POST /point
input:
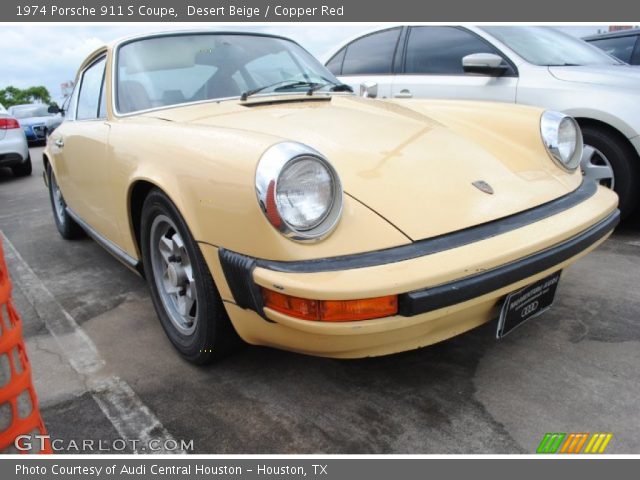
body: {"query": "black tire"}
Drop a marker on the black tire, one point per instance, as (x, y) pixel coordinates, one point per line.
(213, 337)
(24, 169)
(66, 225)
(624, 162)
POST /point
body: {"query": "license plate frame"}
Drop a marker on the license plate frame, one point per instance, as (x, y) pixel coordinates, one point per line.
(527, 303)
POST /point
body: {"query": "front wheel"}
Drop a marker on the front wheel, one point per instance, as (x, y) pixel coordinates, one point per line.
(182, 288)
(613, 164)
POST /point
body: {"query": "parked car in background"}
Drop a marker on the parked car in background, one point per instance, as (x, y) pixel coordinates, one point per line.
(517, 64)
(624, 44)
(36, 120)
(264, 200)
(14, 151)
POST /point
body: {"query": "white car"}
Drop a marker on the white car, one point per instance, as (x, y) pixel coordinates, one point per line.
(530, 65)
(14, 151)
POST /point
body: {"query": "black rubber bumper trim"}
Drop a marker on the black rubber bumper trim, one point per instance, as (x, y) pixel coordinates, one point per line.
(238, 270)
(422, 301)
(436, 244)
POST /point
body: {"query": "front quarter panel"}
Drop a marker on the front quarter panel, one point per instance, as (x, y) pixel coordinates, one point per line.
(209, 175)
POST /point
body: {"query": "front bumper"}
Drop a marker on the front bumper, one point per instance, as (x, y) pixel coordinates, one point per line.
(446, 285)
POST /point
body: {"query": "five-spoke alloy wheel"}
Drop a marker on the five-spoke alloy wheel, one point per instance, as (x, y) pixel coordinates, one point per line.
(182, 289)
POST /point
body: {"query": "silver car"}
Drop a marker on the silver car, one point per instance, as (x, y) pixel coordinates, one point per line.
(36, 121)
(530, 65)
(14, 151)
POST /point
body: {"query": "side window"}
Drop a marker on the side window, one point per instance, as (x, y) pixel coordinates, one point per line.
(619, 47)
(89, 97)
(335, 64)
(372, 54)
(440, 50)
(72, 101)
(102, 110)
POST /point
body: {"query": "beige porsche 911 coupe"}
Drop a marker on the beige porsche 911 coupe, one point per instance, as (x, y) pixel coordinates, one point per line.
(264, 201)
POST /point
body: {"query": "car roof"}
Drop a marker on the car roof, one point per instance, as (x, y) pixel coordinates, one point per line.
(617, 34)
(200, 31)
(89, 59)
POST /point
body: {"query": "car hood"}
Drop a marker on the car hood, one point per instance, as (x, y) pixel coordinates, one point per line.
(414, 163)
(621, 76)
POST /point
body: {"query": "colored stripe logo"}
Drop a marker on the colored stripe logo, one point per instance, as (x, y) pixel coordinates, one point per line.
(574, 443)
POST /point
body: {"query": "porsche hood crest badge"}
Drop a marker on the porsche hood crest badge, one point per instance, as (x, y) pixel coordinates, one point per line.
(483, 186)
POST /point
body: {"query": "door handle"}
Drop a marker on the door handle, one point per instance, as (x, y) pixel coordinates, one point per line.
(59, 143)
(404, 94)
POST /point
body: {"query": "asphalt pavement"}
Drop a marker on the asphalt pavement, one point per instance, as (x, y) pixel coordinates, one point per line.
(104, 370)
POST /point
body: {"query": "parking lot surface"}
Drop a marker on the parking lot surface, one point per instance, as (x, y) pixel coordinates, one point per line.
(104, 370)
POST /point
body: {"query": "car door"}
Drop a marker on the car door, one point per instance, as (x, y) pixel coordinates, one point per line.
(80, 148)
(432, 67)
(368, 59)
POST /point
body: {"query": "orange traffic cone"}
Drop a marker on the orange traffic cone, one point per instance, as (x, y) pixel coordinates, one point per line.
(19, 413)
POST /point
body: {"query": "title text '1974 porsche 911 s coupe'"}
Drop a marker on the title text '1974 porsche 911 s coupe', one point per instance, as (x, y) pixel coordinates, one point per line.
(264, 201)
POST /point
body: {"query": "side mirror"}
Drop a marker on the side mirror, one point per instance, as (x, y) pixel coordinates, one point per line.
(369, 89)
(484, 64)
(54, 109)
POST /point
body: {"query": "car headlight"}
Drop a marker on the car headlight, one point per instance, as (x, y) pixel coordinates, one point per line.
(298, 191)
(563, 139)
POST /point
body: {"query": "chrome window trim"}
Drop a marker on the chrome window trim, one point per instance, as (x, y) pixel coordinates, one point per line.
(100, 57)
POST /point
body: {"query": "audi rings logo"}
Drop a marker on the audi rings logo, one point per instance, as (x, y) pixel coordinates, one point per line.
(532, 307)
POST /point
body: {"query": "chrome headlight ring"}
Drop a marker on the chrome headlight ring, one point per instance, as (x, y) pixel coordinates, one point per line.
(299, 191)
(562, 138)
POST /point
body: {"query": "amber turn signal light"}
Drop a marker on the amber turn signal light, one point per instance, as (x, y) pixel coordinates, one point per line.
(331, 310)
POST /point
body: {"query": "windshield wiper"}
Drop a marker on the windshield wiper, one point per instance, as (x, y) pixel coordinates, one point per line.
(313, 86)
(287, 86)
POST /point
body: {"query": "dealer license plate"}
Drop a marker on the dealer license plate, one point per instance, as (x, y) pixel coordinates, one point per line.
(527, 303)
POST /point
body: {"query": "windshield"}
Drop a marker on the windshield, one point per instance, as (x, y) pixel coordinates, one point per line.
(550, 47)
(28, 111)
(171, 70)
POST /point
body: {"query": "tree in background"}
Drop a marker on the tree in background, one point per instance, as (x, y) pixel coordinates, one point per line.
(17, 96)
